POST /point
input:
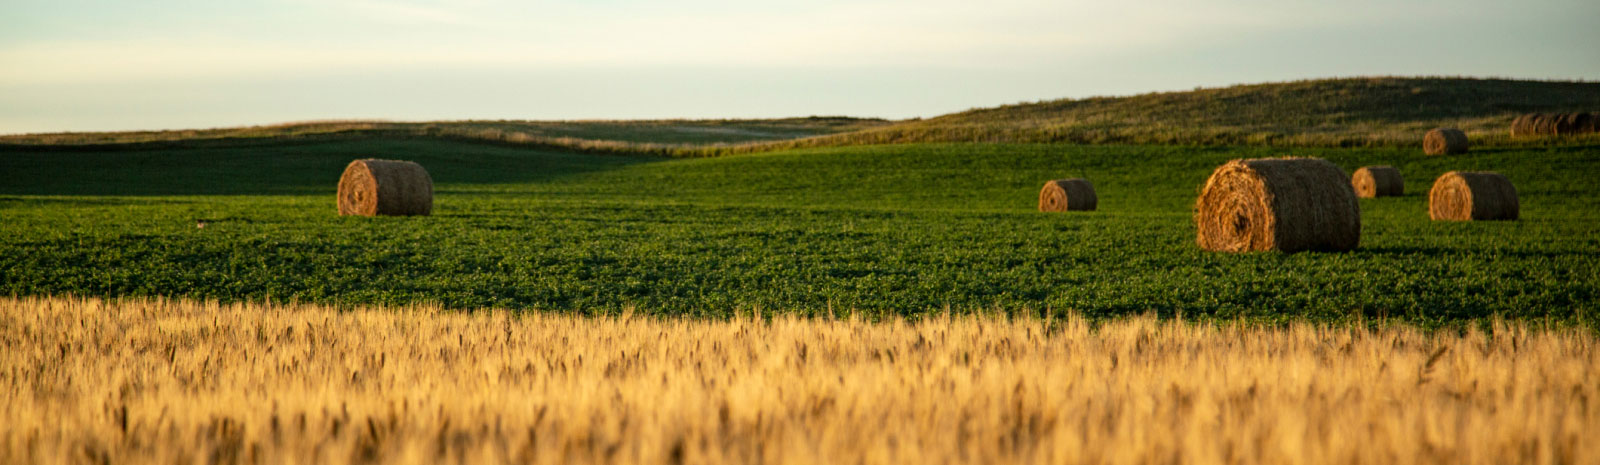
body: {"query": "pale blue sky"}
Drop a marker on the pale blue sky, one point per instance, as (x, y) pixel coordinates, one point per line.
(154, 64)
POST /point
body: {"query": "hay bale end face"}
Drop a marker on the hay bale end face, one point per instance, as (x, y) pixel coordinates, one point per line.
(1285, 204)
(1470, 196)
(1377, 181)
(385, 187)
(1067, 195)
(1444, 141)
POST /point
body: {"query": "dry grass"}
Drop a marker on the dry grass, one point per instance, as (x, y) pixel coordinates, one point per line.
(176, 382)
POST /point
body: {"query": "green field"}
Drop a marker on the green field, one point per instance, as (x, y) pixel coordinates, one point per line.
(891, 229)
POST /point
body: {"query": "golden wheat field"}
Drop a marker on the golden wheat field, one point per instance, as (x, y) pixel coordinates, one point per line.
(164, 381)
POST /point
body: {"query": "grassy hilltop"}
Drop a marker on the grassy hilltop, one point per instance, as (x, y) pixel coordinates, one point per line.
(1381, 111)
(626, 136)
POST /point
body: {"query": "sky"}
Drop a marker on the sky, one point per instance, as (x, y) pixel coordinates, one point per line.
(95, 65)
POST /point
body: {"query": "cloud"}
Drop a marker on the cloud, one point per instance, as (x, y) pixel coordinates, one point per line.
(338, 35)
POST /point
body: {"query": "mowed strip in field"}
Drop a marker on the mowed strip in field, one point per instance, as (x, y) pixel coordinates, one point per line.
(169, 381)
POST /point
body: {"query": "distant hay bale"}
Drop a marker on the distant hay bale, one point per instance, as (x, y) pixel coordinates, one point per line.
(1067, 195)
(1555, 124)
(1545, 124)
(385, 187)
(1522, 126)
(1377, 181)
(1575, 123)
(1534, 124)
(1444, 141)
(1467, 196)
(1286, 204)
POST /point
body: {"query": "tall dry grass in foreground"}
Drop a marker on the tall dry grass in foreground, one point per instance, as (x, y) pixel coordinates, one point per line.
(177, 382)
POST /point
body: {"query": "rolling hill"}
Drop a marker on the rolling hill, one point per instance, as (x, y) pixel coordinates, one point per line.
(1347, 112)
(1382, 111)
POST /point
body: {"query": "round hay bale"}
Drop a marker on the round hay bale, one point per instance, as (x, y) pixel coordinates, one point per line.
(1566, 123)
(1061, 195)
(1545, 124)
(1523, 126)
(1468, 196)
(1532, 124)
(1377, 181)
(1575, 123)
(385, 187)
(1588, 123)
(1444, 141)
(1287, 204)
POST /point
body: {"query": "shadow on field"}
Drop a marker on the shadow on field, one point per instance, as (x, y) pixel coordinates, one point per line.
(1427, 251)
(295, 168)
(84, 202)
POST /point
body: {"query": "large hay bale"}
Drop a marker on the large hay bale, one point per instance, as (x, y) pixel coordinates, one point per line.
(1377, 181)
(1067, 195)
(1466, 196)
(1287, 204)
(1444, 141)
(385, 187)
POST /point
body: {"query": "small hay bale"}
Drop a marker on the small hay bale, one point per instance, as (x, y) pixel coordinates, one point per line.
(1061, 195)
(1286, 204)
(385, 187)
(1469, 196)
(1377, 181)
(1444, 141)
